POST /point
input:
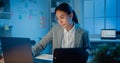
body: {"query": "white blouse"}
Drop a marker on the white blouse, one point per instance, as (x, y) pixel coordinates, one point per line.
(68, 39)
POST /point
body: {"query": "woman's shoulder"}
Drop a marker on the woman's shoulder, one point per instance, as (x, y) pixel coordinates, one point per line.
(56, 26)
(79, 29)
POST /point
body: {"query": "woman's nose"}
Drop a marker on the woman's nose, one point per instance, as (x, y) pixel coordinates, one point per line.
(60, 21)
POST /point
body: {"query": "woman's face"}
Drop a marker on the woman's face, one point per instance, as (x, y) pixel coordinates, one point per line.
(64, 19)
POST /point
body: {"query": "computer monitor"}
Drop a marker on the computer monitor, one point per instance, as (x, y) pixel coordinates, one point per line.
(108, 34)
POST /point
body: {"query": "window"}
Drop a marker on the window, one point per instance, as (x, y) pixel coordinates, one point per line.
(101, 14)
(88, 9)
(118, 8)
(99, 8)
(111, 8)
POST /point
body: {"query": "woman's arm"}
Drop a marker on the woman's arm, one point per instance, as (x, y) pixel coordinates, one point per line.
(40, 46)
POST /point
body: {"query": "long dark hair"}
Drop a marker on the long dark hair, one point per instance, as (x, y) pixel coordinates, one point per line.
(67, 9)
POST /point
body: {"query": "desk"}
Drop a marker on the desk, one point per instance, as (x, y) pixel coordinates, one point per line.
(35, 61)
(97, 41)
(44, 61)
(104, 40)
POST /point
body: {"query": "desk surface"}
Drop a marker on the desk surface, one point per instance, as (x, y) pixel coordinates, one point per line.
(104, 40)
(35, 60)
(44, 61)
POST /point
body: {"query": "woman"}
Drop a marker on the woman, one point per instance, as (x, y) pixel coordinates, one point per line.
(65, 34)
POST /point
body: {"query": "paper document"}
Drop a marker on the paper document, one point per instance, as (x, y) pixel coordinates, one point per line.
(48, 57)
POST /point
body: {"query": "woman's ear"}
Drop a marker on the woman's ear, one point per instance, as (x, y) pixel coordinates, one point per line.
(71, 15)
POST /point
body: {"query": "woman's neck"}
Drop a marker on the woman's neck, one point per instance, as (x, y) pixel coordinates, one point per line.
(70, 27)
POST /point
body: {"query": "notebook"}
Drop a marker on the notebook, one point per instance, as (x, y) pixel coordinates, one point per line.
(70, 55)
(16, 50)
(47, 57)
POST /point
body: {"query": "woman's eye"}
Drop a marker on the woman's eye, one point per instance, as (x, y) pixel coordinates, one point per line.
(61, 17)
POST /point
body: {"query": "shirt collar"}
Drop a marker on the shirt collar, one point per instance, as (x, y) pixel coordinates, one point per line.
(70, 31)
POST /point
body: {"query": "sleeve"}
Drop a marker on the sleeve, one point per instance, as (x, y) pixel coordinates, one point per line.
(86, 40)
(40, 46)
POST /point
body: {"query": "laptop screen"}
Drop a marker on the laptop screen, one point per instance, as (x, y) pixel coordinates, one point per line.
(16, 50)
(108, 33)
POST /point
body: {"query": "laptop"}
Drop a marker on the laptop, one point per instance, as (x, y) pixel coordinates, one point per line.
(108, 34)
(16, 50)
(70, 55)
